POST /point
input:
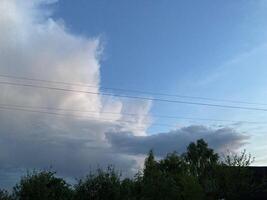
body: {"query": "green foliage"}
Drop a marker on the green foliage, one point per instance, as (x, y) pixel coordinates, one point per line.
(105, 185)
(128, 189)
(169, 179)
(201, 159)
(42, 186)
(4, 195)
(202, 162)
(157, 184)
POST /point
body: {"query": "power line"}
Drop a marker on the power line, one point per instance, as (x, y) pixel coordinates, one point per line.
(135, 97)
(130, 90)
(139, 127)
(130, 114)
(80, 116)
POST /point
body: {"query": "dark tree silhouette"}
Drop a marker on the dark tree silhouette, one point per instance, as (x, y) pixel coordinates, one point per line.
(4, 195)
(104, 185)
(42, 185)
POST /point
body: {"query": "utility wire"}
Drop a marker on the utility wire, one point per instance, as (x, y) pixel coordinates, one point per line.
(135, 97)
(129, 114)
(139, 127)
(80, 116)
(130, 90)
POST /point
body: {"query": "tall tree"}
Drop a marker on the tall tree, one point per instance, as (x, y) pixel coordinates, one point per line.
(200, 158)
(169, 179)
(202, 162)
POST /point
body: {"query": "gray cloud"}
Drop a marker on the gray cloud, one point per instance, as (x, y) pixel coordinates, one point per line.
(73, 148)
(222, 140)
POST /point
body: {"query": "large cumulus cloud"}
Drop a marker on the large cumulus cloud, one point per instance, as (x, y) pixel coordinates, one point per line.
(33, 44)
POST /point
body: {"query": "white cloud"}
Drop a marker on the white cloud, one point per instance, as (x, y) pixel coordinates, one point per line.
(34, 45)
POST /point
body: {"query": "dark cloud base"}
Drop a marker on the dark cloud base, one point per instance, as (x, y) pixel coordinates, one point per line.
(223, 139)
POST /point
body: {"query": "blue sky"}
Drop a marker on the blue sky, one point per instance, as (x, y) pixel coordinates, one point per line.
(204, 48)
(160, 45)
(182, 47)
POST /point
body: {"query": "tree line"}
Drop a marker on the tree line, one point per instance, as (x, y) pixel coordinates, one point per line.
(197, 174)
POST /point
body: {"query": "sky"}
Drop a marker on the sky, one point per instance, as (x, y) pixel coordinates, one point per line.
(212, 50)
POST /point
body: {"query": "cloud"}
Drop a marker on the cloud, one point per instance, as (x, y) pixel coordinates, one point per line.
(222, 140)
(34, 45)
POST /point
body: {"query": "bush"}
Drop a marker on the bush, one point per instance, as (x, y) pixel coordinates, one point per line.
(4, 195)
(104, 185)
(42, 185)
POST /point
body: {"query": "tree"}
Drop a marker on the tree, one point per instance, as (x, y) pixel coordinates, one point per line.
(169, 179)
(43, 185)
(173, 164)
(235, 180)
(150, 166)
(105, 185)
(175, 167)
(128, 189)
(157, 183)
(202, 163)
(4, 195)
(200, 158)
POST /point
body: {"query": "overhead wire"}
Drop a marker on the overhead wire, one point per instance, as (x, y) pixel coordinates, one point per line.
(129, 90)
(80, 116)
(134, 97)
(129, 114)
